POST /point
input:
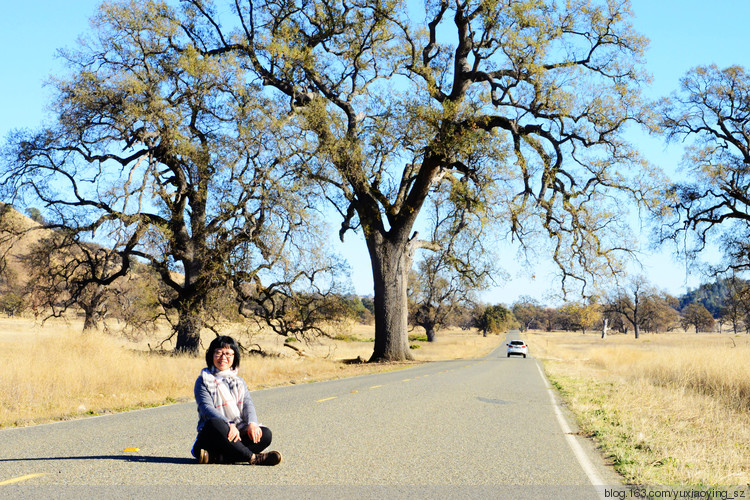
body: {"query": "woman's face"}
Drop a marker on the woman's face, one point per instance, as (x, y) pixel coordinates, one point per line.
(223, 358)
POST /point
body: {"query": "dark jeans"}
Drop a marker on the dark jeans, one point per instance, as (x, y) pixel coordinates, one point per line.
(213, 439)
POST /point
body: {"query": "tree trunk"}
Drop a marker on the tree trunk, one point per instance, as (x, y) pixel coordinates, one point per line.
(189, 327)
(605, 325)
(391, 263)
(92, 306)
(430, 331)
(89, 320)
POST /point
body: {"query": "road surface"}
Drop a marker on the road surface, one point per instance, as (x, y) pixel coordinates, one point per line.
(483, 428)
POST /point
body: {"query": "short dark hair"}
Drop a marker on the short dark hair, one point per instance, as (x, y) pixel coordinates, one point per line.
(219, 343)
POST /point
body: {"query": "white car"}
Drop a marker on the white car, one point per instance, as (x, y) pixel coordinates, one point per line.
(517, 347)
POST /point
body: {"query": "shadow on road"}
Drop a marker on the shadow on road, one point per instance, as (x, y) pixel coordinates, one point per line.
(124, 458)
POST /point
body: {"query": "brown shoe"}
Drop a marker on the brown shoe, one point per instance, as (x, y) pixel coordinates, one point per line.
(270, 458)
(203, 457)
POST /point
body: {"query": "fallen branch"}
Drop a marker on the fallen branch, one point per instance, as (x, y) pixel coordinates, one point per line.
(296, 349)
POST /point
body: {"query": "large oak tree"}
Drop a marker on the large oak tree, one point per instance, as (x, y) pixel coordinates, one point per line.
(166, 156)
(524, 101)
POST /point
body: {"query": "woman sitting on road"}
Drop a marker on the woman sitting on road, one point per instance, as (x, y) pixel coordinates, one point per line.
(228, 429)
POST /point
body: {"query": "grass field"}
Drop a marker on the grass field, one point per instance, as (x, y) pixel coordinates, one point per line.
(54, 372)
(668, 409)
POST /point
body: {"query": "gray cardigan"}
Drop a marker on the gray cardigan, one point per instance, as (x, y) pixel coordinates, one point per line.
(207, 408)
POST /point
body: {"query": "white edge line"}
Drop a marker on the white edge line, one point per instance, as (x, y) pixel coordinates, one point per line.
(581, 455)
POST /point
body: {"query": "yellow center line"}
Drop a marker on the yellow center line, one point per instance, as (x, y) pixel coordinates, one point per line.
(326, 399)
(375, 386)
(22, 478)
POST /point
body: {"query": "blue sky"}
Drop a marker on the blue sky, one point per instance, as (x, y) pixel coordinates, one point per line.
(683, 34)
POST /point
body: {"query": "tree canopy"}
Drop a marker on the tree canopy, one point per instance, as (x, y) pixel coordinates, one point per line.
(711, 114)
(519, 105)
(169, 157)
(200, 138)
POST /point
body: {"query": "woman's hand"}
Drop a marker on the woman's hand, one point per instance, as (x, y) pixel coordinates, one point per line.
(254, 432)
(234, 433)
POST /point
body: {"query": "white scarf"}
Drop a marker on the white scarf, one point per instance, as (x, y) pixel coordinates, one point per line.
(226, 391)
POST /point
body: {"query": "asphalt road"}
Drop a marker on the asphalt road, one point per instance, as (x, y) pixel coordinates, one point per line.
(484, 428)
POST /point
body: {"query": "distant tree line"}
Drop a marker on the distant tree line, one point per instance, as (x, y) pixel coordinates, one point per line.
(636, 308)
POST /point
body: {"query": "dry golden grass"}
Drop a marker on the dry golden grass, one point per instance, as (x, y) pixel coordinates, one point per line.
(53, 372)
(51, 376)
(456, 344)
(668, 408)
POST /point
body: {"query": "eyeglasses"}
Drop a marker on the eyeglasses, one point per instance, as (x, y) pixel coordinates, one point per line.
(226, 354)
